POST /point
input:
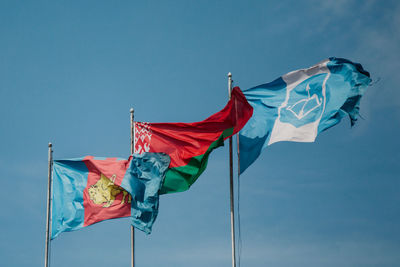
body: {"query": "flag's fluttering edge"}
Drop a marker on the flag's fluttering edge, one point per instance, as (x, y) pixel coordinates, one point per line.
(301, 104)
(90, 189)
(189, 144)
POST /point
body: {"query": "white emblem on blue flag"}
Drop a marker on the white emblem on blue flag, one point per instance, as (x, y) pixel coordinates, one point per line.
(305, 106)
(300, 113)
(301, 104)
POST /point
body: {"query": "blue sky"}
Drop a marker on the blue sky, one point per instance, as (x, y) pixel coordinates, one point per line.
(71, 70)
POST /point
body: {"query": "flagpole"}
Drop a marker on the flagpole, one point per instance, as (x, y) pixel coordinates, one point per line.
(231, 184)
(47, 244)
(132, 228)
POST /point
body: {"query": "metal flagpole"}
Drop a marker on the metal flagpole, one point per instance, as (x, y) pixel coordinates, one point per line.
(47, 246)
(231, 184)
(132, 228)
(238, 199)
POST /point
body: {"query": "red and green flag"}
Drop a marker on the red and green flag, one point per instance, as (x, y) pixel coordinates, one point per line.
(189, 144)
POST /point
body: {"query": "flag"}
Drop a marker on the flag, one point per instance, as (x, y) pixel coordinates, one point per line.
(92, 189)
(301, 104)
(189, 144)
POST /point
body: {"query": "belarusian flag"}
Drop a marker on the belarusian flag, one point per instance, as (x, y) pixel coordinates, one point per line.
(189, 144)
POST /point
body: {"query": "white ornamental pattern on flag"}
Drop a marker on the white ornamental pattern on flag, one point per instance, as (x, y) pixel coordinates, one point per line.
(143, 135)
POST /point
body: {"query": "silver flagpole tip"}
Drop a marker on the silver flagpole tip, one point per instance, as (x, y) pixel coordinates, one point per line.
(131, 110)
(50, 144)
(229, 74)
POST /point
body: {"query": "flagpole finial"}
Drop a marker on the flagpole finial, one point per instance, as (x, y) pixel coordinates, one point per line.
(131, 110)
(50, 144)
(229, 74)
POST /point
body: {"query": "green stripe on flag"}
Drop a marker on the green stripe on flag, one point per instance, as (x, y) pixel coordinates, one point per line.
(179, 179)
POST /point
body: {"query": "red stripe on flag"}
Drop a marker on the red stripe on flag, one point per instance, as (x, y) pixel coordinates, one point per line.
(103, 199)
(183, 141)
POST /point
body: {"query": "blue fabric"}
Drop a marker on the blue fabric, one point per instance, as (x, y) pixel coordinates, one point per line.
(143, 180)
(301, 104)
(69, 181)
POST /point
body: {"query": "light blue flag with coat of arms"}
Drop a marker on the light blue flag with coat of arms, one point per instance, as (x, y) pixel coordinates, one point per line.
(301, 104)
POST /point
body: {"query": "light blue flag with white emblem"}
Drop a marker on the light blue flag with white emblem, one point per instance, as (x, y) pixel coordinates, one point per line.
(301, 104)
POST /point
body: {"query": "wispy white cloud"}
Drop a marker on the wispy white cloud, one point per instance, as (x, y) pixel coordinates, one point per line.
(371, 30)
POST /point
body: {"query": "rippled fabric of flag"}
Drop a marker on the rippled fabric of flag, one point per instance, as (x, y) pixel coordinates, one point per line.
(190, 144)
(301, 104)
(92, 189)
